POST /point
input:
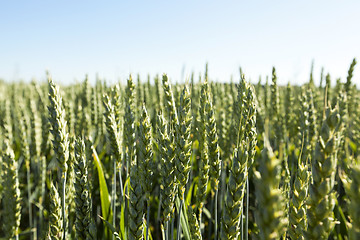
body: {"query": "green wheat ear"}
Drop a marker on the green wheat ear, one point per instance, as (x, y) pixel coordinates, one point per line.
(193, 224)
(11, 193)
(55, 218)
(321, 200)
(349, 77)
(60, 141)
(169, 101)
(70, 178)
(7, 121)
(270, 216)
(290, 116)
(129, 119)
(136, 206)
(45, 125)
(183, 142)
(58, 123)
(297, 215)
(234, 195)
(352, 187)
(112, 128)
(168, 185)
(213, 146)
(145, 164)
(203, 146)
(275, 105)
(84, 225)
(116, 101)
(34, 131)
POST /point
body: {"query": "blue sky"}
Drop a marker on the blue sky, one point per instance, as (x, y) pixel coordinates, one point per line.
(115, 38)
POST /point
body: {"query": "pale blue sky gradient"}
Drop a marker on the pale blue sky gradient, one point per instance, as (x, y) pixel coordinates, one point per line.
(115, 38)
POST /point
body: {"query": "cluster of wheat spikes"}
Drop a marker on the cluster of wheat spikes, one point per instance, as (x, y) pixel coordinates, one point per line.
(200, 160)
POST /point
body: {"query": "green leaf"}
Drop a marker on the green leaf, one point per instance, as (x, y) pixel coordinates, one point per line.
(111, 227)
(162, 232)
(104, 193)
(341, 217)
(352, 146)
(207, 213)
(122, 221)
(144, 230)
(126, 184)
(190, 192)
(183, 219)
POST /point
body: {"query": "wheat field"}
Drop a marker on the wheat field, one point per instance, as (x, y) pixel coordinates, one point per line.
(151, 159)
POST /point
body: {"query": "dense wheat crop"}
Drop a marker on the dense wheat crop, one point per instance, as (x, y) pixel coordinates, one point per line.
(200, 160)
